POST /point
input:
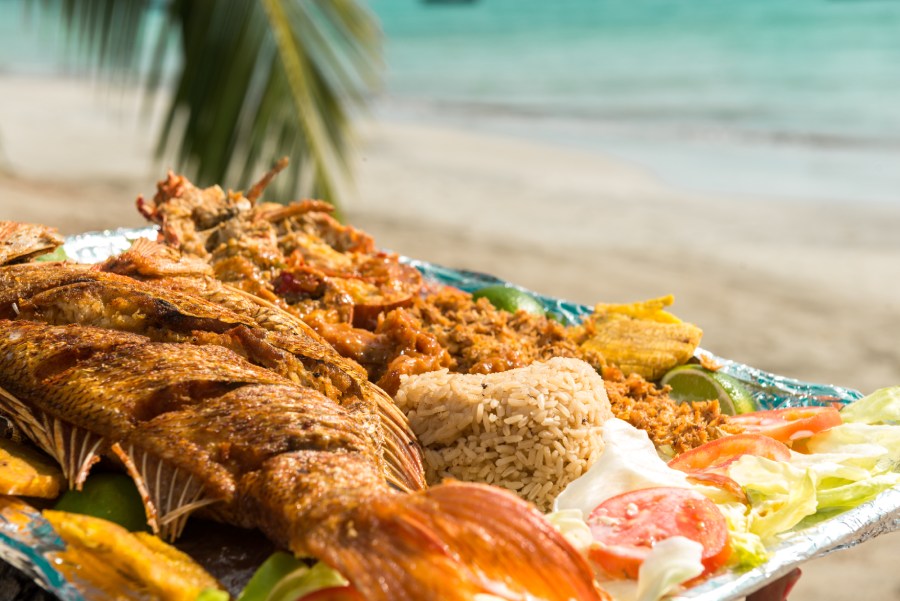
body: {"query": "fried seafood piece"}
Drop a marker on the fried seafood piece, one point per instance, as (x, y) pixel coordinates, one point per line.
(63, 294)
(23, 241)
(298, 255)
(172, 270)
(198, 425)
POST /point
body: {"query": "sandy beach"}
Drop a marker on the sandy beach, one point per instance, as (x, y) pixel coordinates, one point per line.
(810, 291)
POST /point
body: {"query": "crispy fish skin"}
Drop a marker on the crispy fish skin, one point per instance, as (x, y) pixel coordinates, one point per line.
(462, 538)
(168, 269)
(203, 409)
(21, 282)
(237, 432)
(63, 294)
(138, 379)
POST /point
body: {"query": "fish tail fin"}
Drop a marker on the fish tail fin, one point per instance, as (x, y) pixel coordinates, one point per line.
(455, 541)
(402, 452)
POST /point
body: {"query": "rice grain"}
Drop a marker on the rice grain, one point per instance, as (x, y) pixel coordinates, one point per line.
(530, 430)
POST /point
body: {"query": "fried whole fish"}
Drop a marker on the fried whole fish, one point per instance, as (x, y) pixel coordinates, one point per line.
(258, 427)
(72, 294)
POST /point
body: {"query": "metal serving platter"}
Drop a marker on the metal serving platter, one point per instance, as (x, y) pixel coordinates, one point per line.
(29, 543)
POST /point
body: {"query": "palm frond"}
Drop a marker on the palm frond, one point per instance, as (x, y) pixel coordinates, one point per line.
(257, 80)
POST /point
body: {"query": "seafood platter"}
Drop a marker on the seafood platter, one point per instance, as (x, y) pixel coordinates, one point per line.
(248, 400)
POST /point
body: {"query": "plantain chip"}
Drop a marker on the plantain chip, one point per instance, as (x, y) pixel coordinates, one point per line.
(26, 472)
(648, 310)
(641, 337)
(113, 559)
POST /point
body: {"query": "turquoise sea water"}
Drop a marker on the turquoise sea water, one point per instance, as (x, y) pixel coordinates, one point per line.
(797, 99)
(791, 98)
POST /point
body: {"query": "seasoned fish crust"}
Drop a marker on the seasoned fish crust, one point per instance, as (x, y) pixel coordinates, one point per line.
(276, 456)
(172, 400)
(63, 294)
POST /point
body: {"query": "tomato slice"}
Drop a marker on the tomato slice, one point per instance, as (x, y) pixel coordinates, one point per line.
(628, 525)
(788, 424)
(333, 593)
(717, 455)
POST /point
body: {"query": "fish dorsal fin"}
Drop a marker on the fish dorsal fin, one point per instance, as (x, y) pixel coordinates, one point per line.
(75, 449)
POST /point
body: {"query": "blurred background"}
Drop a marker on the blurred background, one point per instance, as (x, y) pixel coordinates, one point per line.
(744, 156)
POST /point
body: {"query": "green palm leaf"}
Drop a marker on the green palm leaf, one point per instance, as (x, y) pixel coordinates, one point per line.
(256, 80)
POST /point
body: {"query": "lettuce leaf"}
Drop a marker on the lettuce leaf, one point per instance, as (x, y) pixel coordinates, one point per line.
(747, 548)
(875, 447)
(671, 562)
(880, 407)
(852, 472)
(852, 494)
(305, 581)
(571, 524)
(780, 494)
(285, 578)
(847, 466)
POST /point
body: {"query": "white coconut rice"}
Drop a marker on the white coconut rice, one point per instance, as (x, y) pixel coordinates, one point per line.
(531, 430)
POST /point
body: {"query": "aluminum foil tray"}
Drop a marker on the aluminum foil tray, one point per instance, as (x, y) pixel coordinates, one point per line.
(28, 542)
